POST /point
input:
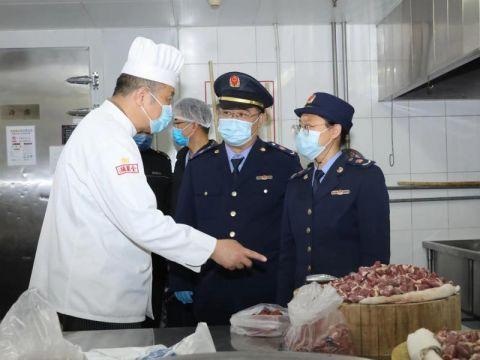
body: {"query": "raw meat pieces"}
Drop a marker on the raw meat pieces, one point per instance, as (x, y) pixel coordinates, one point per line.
(385, 280)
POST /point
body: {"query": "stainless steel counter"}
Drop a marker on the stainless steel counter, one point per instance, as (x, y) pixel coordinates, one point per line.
(229, 346)
(458, 261)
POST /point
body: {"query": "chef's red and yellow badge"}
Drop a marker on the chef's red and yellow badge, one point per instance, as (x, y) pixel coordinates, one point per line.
(311, 98)
(234, 81)
(126, 168)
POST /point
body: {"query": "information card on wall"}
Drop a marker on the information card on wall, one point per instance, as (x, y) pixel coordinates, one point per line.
(21, 145)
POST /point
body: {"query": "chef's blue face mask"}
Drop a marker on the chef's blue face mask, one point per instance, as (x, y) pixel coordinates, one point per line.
(236, 132)
(179, 138)
(143, 141)
(159, 124)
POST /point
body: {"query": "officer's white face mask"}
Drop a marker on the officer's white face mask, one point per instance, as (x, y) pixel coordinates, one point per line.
(308, 143)
(236, 132)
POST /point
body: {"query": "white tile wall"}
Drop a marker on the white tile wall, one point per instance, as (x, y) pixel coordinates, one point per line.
(361, 136)
(265, 39)
(358, 49)
(313, 43)
(464, 233)
(401, 216)
(199, 45)
(237, 45)
(286, 36)
(359, 89)
(311, 77)
(462, 107)
(249, 68)
(463, 134)
(428, 144)
(401, 247)
(422, 108)
(289, 101)
(382, 146)
(193, 79)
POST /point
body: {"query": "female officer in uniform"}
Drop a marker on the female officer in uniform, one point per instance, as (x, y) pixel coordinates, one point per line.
(336, 212)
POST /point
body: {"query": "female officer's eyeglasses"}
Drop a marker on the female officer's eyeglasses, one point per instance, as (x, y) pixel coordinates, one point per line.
(305, 127)
(296, 128)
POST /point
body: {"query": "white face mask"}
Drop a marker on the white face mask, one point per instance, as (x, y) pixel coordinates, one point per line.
(236, 132)
(308, 144)
(159, 124)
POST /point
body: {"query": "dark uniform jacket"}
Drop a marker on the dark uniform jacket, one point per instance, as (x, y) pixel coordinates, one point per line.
(343, 226)
(180, 170)
(247, 208)
(158, 170)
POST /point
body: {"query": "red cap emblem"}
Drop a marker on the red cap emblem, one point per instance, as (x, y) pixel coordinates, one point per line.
(310, 99)
(234, 81)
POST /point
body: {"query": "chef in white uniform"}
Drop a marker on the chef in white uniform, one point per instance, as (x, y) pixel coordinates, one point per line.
(93, 260)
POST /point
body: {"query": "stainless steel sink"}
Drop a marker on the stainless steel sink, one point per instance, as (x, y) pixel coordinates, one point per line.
(458, 261)
(473, 245)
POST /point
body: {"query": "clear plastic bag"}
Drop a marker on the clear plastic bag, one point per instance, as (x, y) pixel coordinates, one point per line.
(316, 323)
(200, 342)
(31, 331)
(264, 320)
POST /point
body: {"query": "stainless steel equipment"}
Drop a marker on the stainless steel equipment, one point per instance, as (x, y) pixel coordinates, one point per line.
(320, 278)
(228, 345)
(33, 86)
(458, 261)
(429, 49)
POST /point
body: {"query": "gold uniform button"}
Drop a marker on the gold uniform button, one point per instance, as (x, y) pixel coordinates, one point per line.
(234, 193)
(262, 149)
(309, 249)
(233, 213)
(232, 234)
(217, 151)
(308, 230)
(205, 193)
(265, 191)
(309, 268)
(309, 211)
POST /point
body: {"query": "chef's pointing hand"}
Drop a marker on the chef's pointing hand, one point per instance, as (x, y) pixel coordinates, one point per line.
(233, 256)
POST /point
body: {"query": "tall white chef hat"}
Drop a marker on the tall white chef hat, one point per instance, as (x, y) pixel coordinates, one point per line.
(156, 62)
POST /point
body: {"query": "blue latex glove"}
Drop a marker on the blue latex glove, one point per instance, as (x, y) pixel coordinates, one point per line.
(185, 297)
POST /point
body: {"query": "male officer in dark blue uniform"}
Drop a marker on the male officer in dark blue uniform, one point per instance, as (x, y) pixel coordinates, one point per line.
(236, 190)
(336, 212)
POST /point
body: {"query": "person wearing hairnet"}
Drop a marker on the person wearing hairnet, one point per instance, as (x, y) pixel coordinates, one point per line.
(93, 261)
(235, 189)
(192, 119)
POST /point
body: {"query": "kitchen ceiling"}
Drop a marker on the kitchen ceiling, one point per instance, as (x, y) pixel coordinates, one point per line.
(70, 14)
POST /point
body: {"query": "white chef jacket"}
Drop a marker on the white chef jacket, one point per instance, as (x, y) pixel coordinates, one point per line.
(93, 256)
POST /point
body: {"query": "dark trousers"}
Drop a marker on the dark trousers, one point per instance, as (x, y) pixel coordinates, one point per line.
(178, 314)
(71, 323)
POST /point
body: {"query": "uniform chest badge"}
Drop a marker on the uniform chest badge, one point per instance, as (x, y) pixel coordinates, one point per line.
(340, 192)
(264, 177)
(127, 169)
(234, 81)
